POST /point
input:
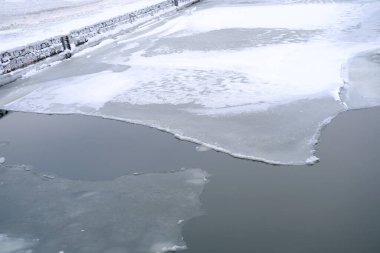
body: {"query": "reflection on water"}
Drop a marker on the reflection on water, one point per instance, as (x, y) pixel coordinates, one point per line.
(248, 206)
(3, 113)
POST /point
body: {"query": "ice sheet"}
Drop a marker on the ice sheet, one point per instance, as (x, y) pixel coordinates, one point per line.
(248, 84)
(362, 88)
(129, 214)
(12, 245)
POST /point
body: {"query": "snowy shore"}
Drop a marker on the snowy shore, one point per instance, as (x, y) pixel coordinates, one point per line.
(28, 21)
(14, 63)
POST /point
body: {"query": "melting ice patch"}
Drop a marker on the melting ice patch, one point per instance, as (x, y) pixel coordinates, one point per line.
(136, 214)
(15, 245)
(202, 148)
(362, 88)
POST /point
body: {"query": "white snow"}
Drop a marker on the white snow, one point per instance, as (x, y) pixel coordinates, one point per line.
(294, 16)
(28, 21)
(272, 75)
(312, 160)
(95, 90)
(163, 247)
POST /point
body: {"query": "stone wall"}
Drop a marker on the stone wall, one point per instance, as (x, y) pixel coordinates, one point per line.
(82, 36)
(66, 45)
(24, 56)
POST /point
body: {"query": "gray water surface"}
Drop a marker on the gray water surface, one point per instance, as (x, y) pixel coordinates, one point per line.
(248, 206)
(81, 184)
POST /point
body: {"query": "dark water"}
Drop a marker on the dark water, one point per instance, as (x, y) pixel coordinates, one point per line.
(333, 206)
(80, 147)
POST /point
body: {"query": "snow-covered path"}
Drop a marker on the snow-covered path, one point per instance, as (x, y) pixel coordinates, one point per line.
(27, 21)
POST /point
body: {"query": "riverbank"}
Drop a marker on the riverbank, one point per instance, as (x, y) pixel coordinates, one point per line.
(28, 54)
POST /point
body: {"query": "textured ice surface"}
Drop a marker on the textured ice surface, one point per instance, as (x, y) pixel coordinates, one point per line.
(256, 79)
(129, 214)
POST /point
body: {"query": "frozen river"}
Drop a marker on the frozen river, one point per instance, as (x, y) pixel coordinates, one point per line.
(253, 79)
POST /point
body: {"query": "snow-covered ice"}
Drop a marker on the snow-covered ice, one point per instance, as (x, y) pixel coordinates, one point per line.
(255, 79)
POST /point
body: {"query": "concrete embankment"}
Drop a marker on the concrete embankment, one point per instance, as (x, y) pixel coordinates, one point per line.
(14, 63)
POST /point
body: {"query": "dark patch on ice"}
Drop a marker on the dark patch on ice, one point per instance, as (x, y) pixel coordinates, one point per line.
(229, 39)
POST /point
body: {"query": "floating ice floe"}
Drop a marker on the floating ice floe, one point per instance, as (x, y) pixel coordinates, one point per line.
(131, 214)
(202, 148)
(16, 245)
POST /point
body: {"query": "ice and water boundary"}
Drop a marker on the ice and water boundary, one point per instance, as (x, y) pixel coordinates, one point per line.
(14, 62)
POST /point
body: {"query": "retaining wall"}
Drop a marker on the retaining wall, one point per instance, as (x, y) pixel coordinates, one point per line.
(60, 47)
